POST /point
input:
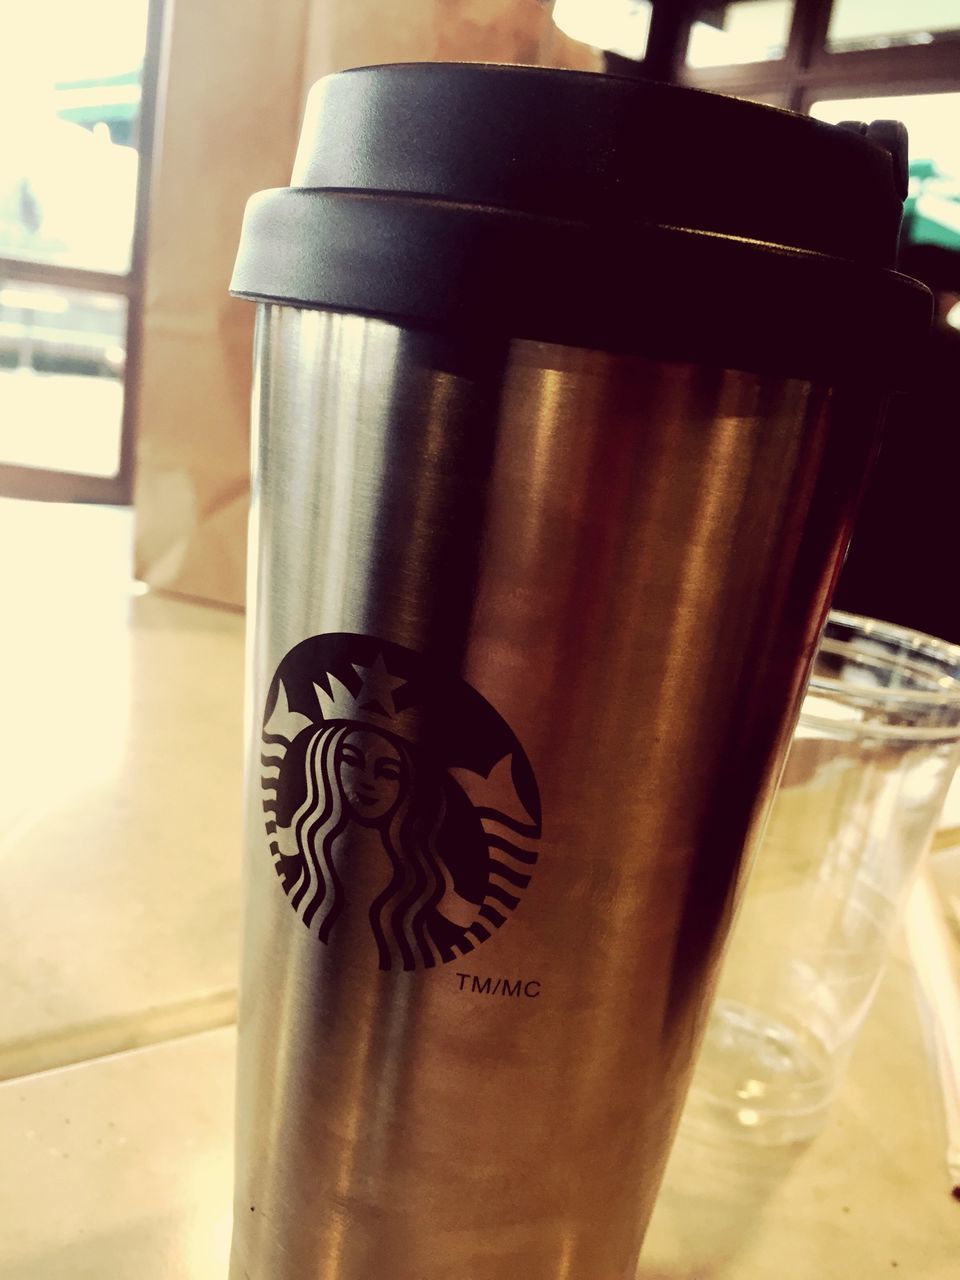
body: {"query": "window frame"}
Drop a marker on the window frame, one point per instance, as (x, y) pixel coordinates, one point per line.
(41, 483)
(809, 71)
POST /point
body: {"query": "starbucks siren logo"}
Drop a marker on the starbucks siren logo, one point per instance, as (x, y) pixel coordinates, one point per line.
(401, 811)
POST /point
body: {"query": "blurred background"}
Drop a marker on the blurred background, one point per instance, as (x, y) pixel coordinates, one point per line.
(134, 130)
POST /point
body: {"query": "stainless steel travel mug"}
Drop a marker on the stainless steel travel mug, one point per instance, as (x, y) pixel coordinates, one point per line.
(566, 388)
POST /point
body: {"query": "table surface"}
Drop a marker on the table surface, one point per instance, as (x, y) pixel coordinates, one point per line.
(119, 909)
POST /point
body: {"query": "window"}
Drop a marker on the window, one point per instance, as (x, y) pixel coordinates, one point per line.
(617, 26)
(70, 105)
(817, 50)
(882, 24)
(62, 356)
(76, 89)
(747, 31)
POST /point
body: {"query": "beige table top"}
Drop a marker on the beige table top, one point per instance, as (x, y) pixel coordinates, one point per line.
(120, 777)
(869, 1197)
(119, 903)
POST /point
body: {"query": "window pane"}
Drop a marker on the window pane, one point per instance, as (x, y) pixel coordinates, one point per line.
(931, 213)
(746, 31)
(61, 378)
(618, 26)
(70, 74)
(878, 24)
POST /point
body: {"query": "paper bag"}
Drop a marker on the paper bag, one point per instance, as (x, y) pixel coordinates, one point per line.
(237, 74)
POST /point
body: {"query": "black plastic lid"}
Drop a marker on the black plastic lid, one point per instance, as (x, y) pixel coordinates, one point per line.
(593, 210)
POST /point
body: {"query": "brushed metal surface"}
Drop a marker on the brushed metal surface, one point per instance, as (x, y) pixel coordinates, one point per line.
(631, 562)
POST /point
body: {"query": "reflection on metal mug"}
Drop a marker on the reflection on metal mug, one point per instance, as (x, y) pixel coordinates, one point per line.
(540, 555)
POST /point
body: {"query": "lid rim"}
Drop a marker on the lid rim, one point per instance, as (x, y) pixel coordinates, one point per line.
(443, 264)
(507, 198)
(551, 141)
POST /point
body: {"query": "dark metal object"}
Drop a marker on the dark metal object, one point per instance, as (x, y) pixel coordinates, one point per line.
(530, 623)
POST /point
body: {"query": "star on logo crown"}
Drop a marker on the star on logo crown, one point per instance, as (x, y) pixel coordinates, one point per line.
(372, 704)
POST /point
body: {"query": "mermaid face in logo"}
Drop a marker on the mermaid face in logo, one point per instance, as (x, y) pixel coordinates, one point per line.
(348, 780)
(370, 771)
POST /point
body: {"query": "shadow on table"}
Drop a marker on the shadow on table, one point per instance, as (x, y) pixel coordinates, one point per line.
(713, 1193)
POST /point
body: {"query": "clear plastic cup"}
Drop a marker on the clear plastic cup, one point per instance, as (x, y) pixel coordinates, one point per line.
(875, 750)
